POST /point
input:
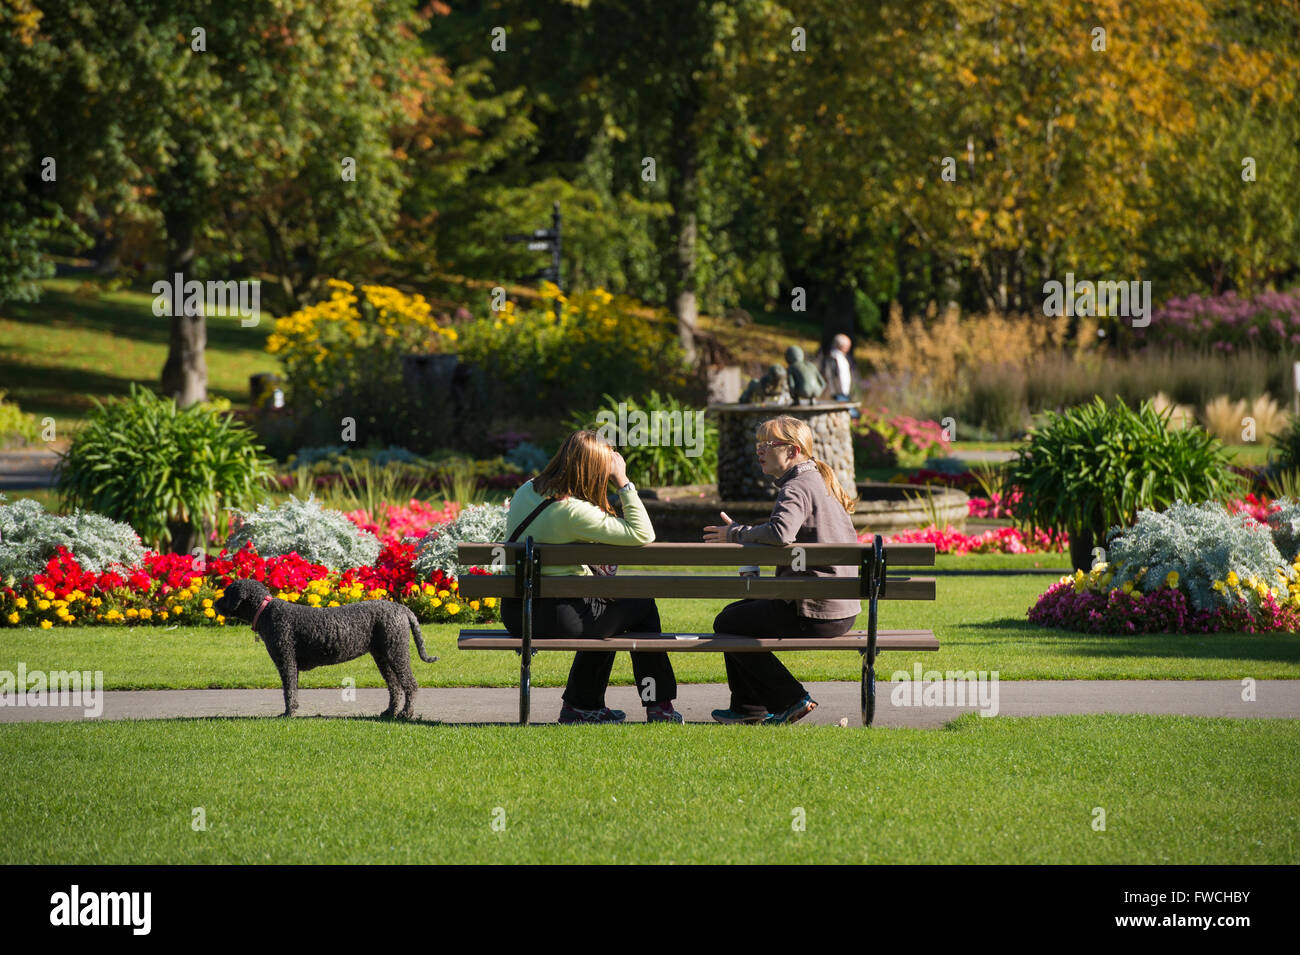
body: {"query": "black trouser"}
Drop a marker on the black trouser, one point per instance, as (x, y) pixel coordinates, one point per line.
(595, 617)
(759, 682)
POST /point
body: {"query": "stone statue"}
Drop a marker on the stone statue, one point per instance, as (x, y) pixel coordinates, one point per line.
(769, 390)
(805, 380)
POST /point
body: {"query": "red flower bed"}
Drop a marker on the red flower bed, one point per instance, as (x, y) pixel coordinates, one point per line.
(1002, 540)
(1165, 610)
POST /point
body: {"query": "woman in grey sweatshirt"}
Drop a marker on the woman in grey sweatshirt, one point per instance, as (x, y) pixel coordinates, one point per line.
(810, 507)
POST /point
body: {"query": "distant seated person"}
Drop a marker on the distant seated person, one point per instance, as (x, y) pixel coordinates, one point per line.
(839, 371)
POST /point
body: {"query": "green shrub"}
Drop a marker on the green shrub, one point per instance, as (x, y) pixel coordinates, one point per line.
(568, 352)
(1286, 446)
(667, 461)
(17, 429)
(305, 528)
(163, 470)
(30, 536)
(1097, 465)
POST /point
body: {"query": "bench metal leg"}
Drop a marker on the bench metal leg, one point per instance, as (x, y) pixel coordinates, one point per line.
(529, 572)
(525, 684)
(868, 690)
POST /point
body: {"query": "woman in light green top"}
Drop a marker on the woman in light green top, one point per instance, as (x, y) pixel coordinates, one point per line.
(567, 503)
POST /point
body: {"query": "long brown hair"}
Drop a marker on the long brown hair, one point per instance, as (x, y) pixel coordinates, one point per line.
(791, 430)
(579, 469)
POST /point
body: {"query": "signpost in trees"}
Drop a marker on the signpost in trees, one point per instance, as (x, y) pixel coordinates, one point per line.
(543, 240)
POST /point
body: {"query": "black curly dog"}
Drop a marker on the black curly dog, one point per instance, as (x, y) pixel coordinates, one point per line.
(303, 638)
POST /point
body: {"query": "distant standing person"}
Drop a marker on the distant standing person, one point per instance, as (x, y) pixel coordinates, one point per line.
(837, 368)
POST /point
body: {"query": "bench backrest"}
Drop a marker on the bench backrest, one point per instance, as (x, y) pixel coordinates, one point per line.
(508, 561)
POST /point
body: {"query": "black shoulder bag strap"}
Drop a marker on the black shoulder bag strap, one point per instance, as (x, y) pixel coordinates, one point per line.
(529, 519)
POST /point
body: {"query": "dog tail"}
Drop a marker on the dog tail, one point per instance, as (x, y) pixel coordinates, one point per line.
(419, 637)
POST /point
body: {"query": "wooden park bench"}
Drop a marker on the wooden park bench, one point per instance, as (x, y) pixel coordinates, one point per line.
(523, 579)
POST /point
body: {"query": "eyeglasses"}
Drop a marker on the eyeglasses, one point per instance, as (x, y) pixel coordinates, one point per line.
(762, 446)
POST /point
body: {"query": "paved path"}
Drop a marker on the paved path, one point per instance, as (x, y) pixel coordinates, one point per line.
(24, 470)
(1275, 699)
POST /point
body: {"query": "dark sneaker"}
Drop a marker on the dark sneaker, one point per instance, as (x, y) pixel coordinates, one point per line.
(730, 716)
(663, 713)
(795, 713)
(571, 714)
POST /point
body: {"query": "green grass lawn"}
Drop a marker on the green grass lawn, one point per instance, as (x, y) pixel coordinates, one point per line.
(1005, 790)
(58, 353)
(980, 622)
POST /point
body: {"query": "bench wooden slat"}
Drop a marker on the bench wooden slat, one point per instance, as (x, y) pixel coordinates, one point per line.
(668, 586)
(698, 554)
(475, 639)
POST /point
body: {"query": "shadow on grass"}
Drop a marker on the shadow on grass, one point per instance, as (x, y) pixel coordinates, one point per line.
(63, 392)
(1277, 647)
(128, 320)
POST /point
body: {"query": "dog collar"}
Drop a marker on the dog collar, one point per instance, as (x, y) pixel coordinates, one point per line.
(265, 600)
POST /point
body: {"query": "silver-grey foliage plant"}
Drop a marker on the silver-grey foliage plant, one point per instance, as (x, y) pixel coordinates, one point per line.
(477, 524)
(304, 527)
(30, 536)
(1202, 542)
(1285, 525)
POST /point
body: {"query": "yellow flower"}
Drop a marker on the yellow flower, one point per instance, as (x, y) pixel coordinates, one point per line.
(42, 605)
(21, 603)
(185, 595)
(133, 612)
(453, 608)
(146, 613)
(45, 625)
(333, 603)
(444, 593)
(1217, 585)
(209, 612)
(1128, 587)
(435, 602)
(69, 619)
(221, 620)
(13, 617)
(1172, 579)
(207, 603)
(95, 601)
(489, 602)
(1232, 578)
(162, 614)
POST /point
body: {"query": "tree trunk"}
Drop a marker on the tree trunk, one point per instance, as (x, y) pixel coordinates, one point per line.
(185, 373)
(683, 193)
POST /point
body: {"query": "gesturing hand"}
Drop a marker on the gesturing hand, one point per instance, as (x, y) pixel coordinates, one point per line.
(715, 534)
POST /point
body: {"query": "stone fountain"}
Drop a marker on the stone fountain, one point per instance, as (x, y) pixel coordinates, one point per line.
(746, 493)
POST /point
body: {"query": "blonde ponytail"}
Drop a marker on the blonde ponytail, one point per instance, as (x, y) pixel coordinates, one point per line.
(833, 488)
